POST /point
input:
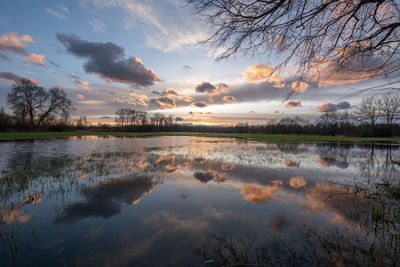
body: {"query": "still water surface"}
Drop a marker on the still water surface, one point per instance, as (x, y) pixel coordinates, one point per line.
(193, 201)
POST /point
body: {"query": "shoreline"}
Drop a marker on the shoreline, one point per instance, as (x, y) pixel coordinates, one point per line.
(269, 138)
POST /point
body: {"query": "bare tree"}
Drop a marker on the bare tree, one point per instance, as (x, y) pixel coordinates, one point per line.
(309, 34)
(330, 120)
(369, 111)
(390, 110)
(33, 103)
(143, 117)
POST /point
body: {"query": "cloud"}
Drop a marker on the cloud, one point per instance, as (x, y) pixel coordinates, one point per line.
(199, 104)
(206, 87)
(138, 96)
(343, 105)
(327, 161)
(60, 13)
(10, 76)
(329, 107)
(259, 194)
(297, 182)
(276, 111)
(80, 96)
(292, 104)
(108, 60)
(73, 75)
(138, 99)
(98, 26)
(35, 59)
(106, 199)
(300, 86)
(186, 67)
(169, 92)
(251, 112)
(179, 119)
(12, 42)
(164, 102)
(229, 98)
(169, 32)
(57, 14)
(83, 84)
(53, 63)
(222, 87)
(204, 177)
(261, 72)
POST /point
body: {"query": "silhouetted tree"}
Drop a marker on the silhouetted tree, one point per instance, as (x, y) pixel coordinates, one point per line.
(369, 111)
(390, 110)
(330, 120)
(34, 104)
(309, 34)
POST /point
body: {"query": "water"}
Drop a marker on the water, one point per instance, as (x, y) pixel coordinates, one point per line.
(193, 201)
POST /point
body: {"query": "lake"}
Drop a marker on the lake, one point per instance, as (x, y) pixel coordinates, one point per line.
(196, 201)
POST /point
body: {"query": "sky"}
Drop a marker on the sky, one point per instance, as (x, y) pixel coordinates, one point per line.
(145, 54)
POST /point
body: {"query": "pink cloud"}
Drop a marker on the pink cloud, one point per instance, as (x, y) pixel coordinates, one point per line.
(35, 59)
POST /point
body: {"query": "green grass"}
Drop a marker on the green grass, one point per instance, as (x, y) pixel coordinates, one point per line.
(270, 138)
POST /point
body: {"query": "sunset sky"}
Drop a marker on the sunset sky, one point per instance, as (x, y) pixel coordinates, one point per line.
(110, 54)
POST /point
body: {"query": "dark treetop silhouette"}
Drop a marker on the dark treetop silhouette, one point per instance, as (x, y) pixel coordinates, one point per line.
(33, 103)
(343, 38)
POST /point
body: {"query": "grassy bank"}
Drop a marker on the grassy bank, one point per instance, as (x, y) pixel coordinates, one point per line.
(272, 138)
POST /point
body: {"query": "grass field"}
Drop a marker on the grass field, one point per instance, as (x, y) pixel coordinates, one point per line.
(272, 138)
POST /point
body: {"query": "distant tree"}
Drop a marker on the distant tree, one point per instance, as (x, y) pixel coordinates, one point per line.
(370, 111)
(82, 122)
(143, 117)
(390, 110)
(5, 120)
(34, 104)
(310, 34)
(169, 121)
(330, 120)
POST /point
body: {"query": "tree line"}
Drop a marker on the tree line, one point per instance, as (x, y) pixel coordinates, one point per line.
(35, 108)
(133, 117)
(376, 115)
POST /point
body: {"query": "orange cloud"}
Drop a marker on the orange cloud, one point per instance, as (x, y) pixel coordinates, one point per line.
(261, 72)
(186, 98)
(164, 102)
(83, 84)
(138, 96)
(299, 86)
(290, 163)
(327, 107)
(14, 43)
(35, 58)
(297, 182)
(292, 104)
(251, 112)
(229, 98)
(10, 215)
(276, 111)
(259, 194)
(79, 96)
